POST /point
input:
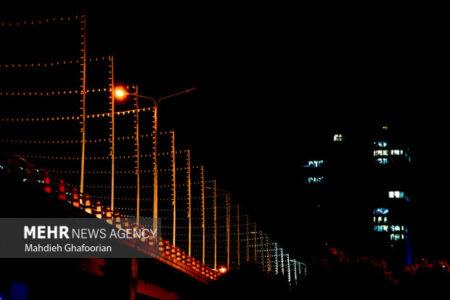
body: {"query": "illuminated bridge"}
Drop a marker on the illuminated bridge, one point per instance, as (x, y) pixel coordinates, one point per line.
(93, 147)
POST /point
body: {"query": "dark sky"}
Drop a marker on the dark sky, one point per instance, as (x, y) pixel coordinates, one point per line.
(270, 78)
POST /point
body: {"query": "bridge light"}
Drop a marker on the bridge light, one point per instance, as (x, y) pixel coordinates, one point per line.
(108, 212)
(62, 190)
(47, 186)
(87, 204)
(98, 210)
(108, 215)
(223, 270)
(116, 215)
(75, 198)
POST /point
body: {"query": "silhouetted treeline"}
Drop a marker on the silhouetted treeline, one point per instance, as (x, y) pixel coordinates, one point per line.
(335, 274)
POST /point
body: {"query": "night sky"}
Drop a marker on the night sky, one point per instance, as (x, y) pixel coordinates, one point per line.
(272, 82)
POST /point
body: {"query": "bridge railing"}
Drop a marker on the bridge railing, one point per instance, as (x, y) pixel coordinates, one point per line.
(31, 174)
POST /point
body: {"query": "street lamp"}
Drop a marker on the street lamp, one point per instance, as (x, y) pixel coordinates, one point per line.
(120, 94)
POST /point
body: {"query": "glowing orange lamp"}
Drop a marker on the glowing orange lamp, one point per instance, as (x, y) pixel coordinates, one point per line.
(120, 93)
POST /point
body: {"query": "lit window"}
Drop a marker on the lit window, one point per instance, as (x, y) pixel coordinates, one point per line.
(314, 164)
(381, 144)
(385, 228)
(396, 152)
(396, 237)
(396, 195)
(382, 160)
(380, 153)
(396, 228)
(312, 180)
(378, 228)
(338, 138)
(381, 211)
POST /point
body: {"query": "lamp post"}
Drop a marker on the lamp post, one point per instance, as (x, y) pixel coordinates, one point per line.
(228, 229)
(255, 243)
(202, 179)
(189, 190)
(83, 104)
(227, 217)
(261, 237)
(120, 92)
(246, 238)
(238, 238)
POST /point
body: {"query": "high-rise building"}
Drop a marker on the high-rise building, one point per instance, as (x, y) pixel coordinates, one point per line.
(357, 192)
(391, 199)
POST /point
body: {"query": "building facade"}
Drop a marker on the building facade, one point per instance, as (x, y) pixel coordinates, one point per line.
(357, 192)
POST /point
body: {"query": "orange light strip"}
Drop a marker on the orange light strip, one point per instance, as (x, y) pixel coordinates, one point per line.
(50, 64)
(35, 22)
